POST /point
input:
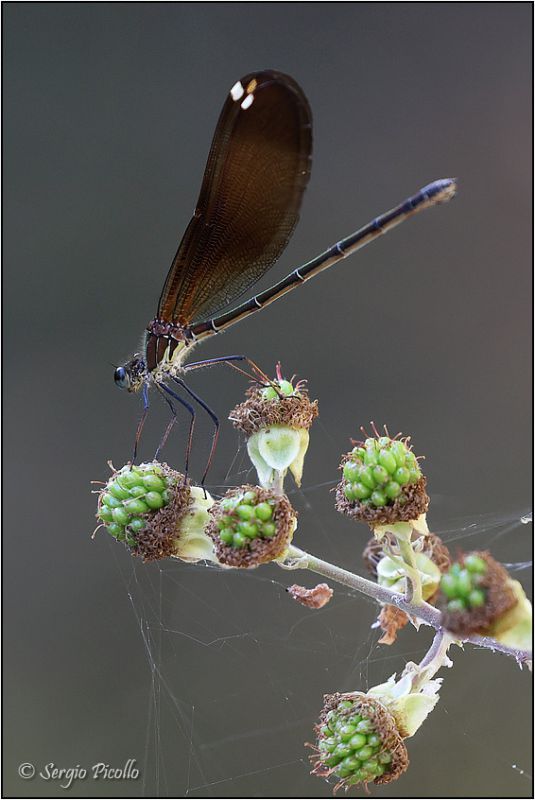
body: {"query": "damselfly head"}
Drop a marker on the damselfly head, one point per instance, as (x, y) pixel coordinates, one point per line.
(131, 375)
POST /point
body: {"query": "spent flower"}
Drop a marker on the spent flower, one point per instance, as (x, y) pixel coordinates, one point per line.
(276, 419)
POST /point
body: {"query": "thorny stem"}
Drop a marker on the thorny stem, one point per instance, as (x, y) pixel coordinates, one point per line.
(423, 612)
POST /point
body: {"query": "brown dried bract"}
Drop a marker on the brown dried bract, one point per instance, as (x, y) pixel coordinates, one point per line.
(317, 597)
(157, 539)
(257, 551)
(383, 724)
(256, 412)
(391, 619)
(500, 598)
(408, 506)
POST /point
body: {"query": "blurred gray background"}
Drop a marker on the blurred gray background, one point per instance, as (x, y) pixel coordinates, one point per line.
(213, 681)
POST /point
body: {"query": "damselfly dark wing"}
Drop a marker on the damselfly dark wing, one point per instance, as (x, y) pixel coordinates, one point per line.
(257, 171)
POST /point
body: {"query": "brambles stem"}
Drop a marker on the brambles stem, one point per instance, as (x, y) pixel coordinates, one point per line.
(414, 584)
(423, 612)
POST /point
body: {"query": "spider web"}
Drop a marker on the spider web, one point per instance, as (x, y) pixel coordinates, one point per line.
(238, 670)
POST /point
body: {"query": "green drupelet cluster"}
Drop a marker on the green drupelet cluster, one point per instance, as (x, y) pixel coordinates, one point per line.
(461, 585)
(376, 471)
(245, 519)
(129, 494)
(284, 387)
(350, 746)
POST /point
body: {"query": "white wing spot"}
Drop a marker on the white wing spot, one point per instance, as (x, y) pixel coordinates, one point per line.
(248, 102)
(237, 91)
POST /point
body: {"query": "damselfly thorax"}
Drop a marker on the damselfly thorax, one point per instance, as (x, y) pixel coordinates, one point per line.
(257, 171)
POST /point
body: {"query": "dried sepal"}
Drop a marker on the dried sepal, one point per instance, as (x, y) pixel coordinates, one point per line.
(317, 597)
(391, 620)
(406, 508)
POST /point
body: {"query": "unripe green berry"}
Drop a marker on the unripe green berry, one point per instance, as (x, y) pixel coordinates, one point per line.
(239, 540)
(349, 491)
(448, 584)
(120, 516)
(286, 387)
(366, 477)
(351, 471)
(269, 393)
(364, 753)
(136, 506)
(154, 500)
(136, 524)
(248, 529)
(227, 535)
(105, 514)
(364, 726)
(129, 479)
(464, 583)
(402, 476)
(360, 491)
(115, 530)
(153, 483)
(117, 490)
(268, 529)
(245, 512)
(111, 501)
(392, 490)
(475, 563)
(343, 750)
(387, 460)
(137, 491)
(380, 475)
(476, 598)
(358, 740)
(378, 499)
(346, 732)
(263, 512)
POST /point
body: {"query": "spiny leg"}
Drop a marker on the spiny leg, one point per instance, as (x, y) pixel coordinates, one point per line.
(162, 387)
(145, 395)
(169, 426)
(214, 419)
(228, 360)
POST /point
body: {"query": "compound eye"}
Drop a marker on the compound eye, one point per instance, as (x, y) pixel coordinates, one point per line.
(121, 378)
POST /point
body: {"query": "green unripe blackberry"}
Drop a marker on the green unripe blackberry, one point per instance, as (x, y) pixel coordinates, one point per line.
(475, 594)
(156, 513)
(251, 526)
(130, 494)
(358, 742)
(461, 584)
(382, 482)
(279, 387)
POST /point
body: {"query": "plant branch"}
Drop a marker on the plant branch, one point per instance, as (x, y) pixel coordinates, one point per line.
(414, 591)
(299, 559)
